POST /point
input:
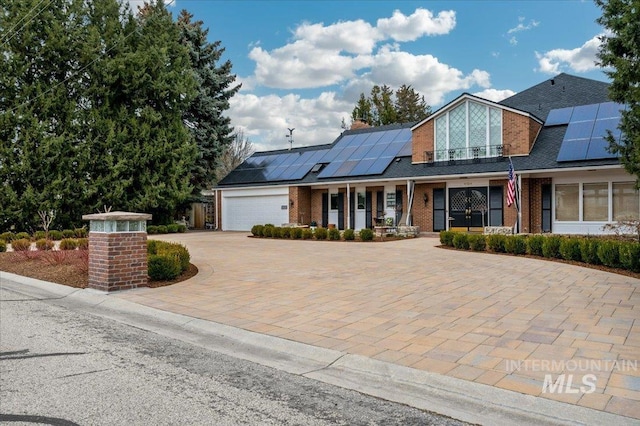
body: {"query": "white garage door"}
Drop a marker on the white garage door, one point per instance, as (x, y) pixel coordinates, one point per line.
(241, 212)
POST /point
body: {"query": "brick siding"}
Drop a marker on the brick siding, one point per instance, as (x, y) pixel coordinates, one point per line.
(117, 261)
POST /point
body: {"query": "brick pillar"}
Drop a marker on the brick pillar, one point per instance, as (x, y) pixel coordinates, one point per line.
(117, 250)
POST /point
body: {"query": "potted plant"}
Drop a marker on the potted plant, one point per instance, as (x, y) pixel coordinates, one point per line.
(313, 225)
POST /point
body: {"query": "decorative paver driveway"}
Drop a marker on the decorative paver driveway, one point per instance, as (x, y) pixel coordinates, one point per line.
(473, 316)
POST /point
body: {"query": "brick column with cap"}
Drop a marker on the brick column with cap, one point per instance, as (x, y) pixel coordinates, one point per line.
(117, 250)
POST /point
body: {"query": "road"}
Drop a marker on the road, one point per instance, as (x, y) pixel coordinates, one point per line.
(63, 366)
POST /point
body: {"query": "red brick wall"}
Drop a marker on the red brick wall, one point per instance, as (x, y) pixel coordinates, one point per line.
(300, 212)
(316, 206)
(423, 215)
(422, 140)
(117, 261)
(518, 133)
(535, 203)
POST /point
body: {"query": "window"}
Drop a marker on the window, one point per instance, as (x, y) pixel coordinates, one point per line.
(567, 202)
(334, 201)
(595, 202)
(391, 199)
(495, 206)
(471, 130)
(626, 201)
(361, 200)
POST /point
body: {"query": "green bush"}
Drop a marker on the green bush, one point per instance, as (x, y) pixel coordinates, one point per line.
(152, 229)
(477, 242)
(22, 244)
(321, 233)
(38, 235)
(83, 243)
(461, 241)
(515, 244)
(446, 238)
(164, 248)
(349, 235)
(551, 247)
(307, 234)
(182, 228)
(172, 228)
(162, 267)
(23, 235)
(55, 235)
(570, 249)
(276, 232)
(81, 232)
(296, 233)
(7, 237)
(534, 244)
(3, 246)
(285, 232)
(608, 253)
(256, 230)
(267, 231)
(68, 244)
(152, 246)
(629, 254)
(68, 233)
(162, 229)
(334, 234)
(496, 243)
(43, 244)
(589, 250)
(366, 234)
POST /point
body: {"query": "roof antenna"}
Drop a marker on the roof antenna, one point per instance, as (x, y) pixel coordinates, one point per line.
(290, 137)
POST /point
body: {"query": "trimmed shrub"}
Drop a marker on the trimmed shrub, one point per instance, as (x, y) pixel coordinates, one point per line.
(334, 234)
(172, 228)
(629, 254)
(551, 247)
(446, 238)
(182, 228)
(589, 250)
(570, 249)
(152, 229)
(83, 243)
(477, 242)
(38, 235)
(461, 241)
(164, 248)
(163, 267)
(276, 232)
(256, 230)
(515, 244)
(68, 244)
(349, 235)
(7, 237)
(296, 233)
(267, 231)
(152, 246)
(44, 245)
(307, 234)
(321, 233)
(81, 232)
(23, 235)
(534, 244)
(3, 246)
(55, 235)
(22, 244)
(366, 234)
(285, 232)
(496, 243)
(68, 233)
(608, 253)
(162, 229)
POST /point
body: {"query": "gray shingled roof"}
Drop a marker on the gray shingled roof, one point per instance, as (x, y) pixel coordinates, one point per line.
(560, 91)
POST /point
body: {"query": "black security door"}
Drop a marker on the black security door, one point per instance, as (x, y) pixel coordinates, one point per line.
(341, 211)
(325, 210)
(468, 207)
(368, 208)
(352, 211)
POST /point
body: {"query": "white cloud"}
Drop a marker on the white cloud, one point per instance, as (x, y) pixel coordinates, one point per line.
(357, 37)
(522, 26)
(422, 22)
(495, 95)
(580, 59)
(513, 41)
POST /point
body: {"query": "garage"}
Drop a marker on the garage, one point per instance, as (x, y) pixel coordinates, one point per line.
(241, 209)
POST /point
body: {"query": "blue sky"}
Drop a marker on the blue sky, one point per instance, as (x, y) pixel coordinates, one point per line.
(303, 64)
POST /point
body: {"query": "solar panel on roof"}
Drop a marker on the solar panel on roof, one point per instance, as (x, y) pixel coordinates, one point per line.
(601, 127)
(609, 110)
(559, 116)
(598, 149)
(573, 150)
(379, 166)
(579, 130)
(584, 113)
(362, 167)
(407, 149)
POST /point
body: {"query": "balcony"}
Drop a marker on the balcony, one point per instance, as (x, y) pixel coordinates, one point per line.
(474, 154)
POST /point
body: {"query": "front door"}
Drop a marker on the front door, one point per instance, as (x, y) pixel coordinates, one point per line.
(468, 208)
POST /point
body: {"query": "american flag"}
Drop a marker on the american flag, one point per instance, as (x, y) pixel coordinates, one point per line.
(511, 187)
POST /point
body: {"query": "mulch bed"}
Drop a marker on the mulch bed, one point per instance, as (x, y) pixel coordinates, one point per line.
(64, 267)
(569, 262)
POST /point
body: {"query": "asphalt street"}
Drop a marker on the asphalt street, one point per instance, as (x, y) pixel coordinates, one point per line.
(62, 366)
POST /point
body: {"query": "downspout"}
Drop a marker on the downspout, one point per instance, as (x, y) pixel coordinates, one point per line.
(216, 210)
(411, 186)
(348, 206)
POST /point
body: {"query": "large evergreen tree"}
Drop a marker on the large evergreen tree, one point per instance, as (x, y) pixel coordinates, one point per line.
(620, 55)
(211, 130)
(383, 106)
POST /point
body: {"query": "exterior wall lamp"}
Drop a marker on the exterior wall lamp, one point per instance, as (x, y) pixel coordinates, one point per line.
(425, 198)
(291, 202)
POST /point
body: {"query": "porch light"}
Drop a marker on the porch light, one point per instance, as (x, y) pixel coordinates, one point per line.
(425, 197)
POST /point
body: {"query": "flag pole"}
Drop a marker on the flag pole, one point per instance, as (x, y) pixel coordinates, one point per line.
(518, 201)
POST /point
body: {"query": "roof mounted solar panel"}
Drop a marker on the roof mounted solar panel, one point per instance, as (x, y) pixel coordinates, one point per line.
(573, 150)
(560, 116)
(584, 113)
(598, 149)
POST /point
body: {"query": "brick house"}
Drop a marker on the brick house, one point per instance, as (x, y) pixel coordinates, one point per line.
(450, 171)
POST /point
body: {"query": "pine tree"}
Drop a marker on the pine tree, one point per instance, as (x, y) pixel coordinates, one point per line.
(362, 111)
(204, 117)
(410, 105)
(620, 56)
(384, 106)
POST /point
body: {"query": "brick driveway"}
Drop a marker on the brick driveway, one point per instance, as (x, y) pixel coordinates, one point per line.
(461, 314)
